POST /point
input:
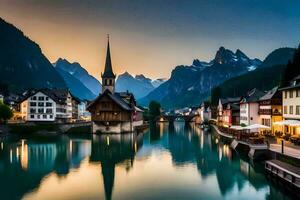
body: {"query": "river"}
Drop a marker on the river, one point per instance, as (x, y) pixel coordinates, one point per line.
(166, 162)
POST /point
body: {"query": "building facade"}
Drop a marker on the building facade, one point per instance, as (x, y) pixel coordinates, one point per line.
(113, 112)
(249, 108)
(225, 113)
(48, 105)
(270, 109)
(291, 105)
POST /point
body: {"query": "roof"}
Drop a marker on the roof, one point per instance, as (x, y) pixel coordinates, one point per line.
(58, 95)
(230, 100)
(123, 99)
(252, 96)
(270, 94)
(108, 72)
(295, 83)
(290, 87)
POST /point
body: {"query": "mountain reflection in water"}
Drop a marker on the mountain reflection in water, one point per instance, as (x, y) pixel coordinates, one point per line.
(167, 162)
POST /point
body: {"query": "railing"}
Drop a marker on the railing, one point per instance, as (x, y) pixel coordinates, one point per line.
(269, 112)
(243, 135)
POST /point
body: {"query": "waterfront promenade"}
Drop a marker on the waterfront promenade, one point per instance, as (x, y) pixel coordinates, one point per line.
(289, 149)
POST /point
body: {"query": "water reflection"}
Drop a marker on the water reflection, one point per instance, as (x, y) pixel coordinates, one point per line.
(109, 150)
(189, 163)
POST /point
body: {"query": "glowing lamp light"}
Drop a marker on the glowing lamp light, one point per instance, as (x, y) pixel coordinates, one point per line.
(107, 141)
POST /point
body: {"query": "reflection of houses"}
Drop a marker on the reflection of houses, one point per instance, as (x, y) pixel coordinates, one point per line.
(25, 163)
(111, 150)
(113, 112)
(291, 106)
(249, 107)
(48, 105)
(270, 108)
(226, 113)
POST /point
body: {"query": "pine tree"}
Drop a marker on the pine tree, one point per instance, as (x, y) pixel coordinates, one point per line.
(292, 68)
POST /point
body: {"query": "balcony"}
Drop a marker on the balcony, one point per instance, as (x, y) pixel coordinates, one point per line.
(265, 111)
(273, 112)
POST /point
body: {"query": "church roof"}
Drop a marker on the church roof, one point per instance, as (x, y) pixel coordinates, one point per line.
(122, 99)
(108, 71)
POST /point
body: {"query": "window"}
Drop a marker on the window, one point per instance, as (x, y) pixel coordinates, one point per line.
(297, 110)
(47, 98)
(41, 98)
(44, 116)
(48, 110)
(32, 116)
(32, 103)
(40, 110)
(51, 116)
(291, 110)
(298, 93)
(38, 116)
(32, 110)
(48, 104)
(110, 82)
(41, 104)
(285, 94)
(291, 93)
(285, 109)
(33, 98)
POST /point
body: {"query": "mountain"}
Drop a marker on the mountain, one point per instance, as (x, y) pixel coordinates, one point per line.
(139, 85)
(279, 57)
(264, 78)
(76, 87)
(77, 71)
(189, 85)
(22, 63)
(158, 82)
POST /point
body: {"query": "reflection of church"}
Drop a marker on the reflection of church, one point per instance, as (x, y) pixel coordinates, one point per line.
(112, 150)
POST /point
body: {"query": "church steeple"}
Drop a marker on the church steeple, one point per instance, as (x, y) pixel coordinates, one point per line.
(108, 77)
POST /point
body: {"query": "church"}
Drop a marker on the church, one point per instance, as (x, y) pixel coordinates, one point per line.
(111, 111)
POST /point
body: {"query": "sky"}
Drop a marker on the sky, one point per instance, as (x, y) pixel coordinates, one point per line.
(151, 37)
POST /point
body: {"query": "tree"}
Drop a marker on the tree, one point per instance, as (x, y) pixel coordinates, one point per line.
(154, 110)
(215, 95)
(5, 113)
(292, 68)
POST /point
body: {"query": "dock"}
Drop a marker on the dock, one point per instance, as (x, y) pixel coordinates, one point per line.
(284, 171)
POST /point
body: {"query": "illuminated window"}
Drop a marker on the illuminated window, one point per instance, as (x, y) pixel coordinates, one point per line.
(291, 110)
(285, 109)
(297, 110)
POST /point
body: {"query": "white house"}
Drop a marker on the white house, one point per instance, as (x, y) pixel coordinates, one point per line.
(249, 108)
(291, 105)
(204, 112)
(47, 105)
(83, 114)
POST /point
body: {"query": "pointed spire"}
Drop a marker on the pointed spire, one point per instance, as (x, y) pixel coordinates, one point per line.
(108, 72)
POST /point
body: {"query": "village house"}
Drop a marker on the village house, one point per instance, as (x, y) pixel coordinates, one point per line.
(49, 105)
(249, 108)
(83, 114)
(270, 109)
(291, 107)
(204, 112)
(227, 115)
(113, 112)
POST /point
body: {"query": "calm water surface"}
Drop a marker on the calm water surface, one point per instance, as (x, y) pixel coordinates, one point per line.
(178, 162)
